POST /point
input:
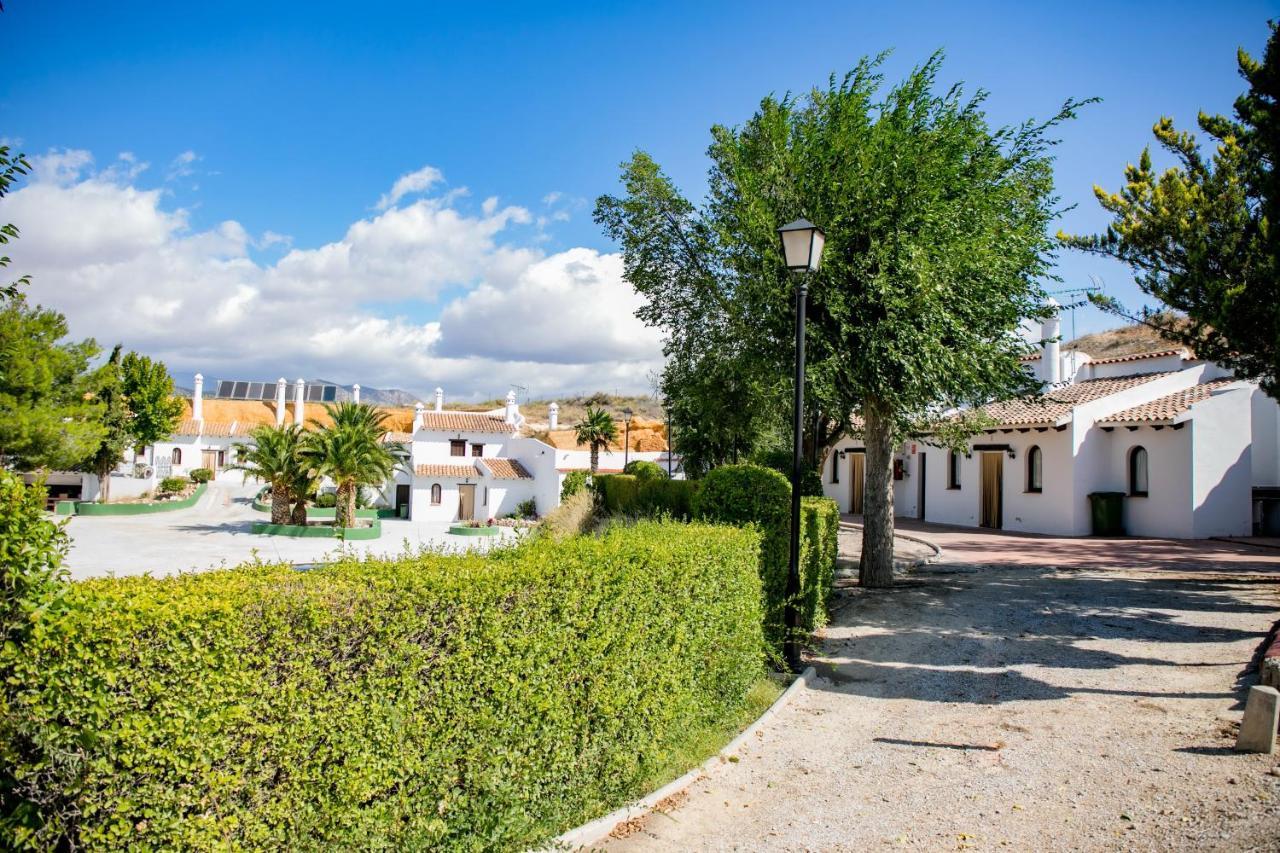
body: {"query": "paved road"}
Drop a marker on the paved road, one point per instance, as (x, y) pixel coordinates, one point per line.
(1024, 693)
(216, 532)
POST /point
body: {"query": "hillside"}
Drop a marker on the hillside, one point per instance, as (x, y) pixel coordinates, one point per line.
(573, 409)
(1125, 340)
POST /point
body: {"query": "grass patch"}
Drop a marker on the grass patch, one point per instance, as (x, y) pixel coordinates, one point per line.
(703, 742)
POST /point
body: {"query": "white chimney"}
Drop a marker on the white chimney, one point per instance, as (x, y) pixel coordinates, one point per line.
(355, 392)
(512, 410)
(197, 399)
(439, 399)
(299, 400)
(553, 416)
(282, 393)
(418, 409)
(1050, 358)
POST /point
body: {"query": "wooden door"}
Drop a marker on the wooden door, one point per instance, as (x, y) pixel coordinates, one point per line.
(857, 481)
(920, 466)
(209, 458)
(991, 496)
(466, 502)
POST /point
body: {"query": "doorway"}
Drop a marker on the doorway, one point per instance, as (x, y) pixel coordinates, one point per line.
(466, 501)
(920, 485)
(991, 495)
(212, 459)
(402, 499)
(857, 481)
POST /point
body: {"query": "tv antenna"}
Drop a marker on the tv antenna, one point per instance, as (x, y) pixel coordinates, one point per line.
(1080, 300)
(522, 393)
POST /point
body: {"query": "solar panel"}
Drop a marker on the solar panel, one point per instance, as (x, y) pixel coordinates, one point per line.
(224, 388)
(229, 389)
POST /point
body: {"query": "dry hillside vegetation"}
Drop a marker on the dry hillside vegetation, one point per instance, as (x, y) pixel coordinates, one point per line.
(573, 409)
(1126, 340)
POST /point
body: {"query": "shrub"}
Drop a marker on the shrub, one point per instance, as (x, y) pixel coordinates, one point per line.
(751, 494)
(624, 494)
(173, 485)
(526, 509)
(574, 516)
(574, 482)
(643, 469)
(200, 475)
(326, 500)
(781, 461)
(440, 701)
(31, 552)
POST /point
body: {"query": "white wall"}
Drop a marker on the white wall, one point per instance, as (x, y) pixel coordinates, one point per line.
(1265, 417)
(539, 459)
(609, 460)
(1166, 510)
(1222, 476)
(1126, 368)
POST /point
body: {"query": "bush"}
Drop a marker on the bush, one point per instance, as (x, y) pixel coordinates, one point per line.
(440, 701)
(643, 469)
(200, 475)
(31, 552)
(173, 485)
(751, 494)
(326, 500)
(574, 482)
(574, 517)
(781, 461)
(526, 509)
(624, 494)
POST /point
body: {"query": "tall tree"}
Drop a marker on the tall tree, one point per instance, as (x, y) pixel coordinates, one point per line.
(12, 166)
(274, 456)
(49, 417)
(153, 409)
(1204, 235)
(937, 240)
(596, 430)
(114, 419)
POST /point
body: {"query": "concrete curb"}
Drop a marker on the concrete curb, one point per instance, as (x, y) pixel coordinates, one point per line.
(907, 537)
(600, 828)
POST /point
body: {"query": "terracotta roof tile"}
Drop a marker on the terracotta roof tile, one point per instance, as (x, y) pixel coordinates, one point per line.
(1139, 356)
(213, 429)
(435, 469)
(465, 422)
(397, 436)
(1058, 403)
(1168, 407)
(188, 427)
(504, 469)
(1035, 356)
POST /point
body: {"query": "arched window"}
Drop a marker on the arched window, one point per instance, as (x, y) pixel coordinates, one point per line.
(176, 456)
(1138, 472)
(435, 494)
(1035, 469)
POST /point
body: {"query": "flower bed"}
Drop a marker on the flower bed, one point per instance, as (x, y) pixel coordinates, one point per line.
(142, 507)
(466, 529)
(319, 531)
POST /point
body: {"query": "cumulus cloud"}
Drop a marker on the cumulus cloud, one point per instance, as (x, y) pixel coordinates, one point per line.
(413, 182)
(423, 293)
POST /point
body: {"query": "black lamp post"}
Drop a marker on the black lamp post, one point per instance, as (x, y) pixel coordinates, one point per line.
(802, 243)
(626, 441)
(666, 410)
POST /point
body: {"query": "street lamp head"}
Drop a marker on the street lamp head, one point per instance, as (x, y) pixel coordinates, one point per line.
(626, 415)
(802, 243)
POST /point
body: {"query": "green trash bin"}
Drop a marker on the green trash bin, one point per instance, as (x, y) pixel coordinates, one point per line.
(1107, 512)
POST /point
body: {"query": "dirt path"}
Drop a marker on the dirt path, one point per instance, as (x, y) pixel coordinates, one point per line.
(998, 704)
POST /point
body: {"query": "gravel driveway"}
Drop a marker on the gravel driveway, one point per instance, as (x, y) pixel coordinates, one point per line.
(992, 703)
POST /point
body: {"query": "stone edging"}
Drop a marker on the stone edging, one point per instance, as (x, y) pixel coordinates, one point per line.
(932, 546)
(91, 509)
(600, 828)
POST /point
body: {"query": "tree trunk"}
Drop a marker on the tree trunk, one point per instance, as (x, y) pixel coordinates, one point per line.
(876, 570)
(299, 512)
(104, 484)
(595, 457)
(345, 505)
(279, 503)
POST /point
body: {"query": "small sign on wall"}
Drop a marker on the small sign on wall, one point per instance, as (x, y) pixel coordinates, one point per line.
(899, 470)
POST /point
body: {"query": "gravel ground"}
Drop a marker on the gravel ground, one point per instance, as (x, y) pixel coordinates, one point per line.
(1023, 707)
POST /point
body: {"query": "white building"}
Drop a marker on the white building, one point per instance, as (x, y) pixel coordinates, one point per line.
(1195, 452)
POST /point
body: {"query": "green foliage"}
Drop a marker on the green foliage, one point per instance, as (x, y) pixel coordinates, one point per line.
(113, 418)
(596, 430)
(819, 547)
(153, 409)
(31, 552)
(12, 166)
(575, 516)
(48, 415)
(274, 456)
(781, 461)
(644, 469)
(173, 485)
(1202, 236)
(326, 500)
(200, 475)
(637, 497)
(574, 482)
(351, 452)
(936, 243)
(526, 509)
(453, 702)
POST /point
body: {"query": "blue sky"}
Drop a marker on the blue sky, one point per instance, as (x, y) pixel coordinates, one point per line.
(299, 118)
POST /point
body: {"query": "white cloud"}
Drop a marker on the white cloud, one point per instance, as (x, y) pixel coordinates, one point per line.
(412, 182)
(182, 166)
(365, 307)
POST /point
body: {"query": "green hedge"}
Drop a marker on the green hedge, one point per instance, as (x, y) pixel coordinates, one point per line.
(630, 495)
(819, 547)
(458, 702)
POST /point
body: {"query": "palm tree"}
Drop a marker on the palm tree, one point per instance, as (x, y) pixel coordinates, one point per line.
(274, 456)
(350, 451)
(598, 430)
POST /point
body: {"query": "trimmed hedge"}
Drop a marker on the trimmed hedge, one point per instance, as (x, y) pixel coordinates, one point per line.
(200, 475)
(457, 702)
(819, 547)
(630, 495)
(645, 469)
